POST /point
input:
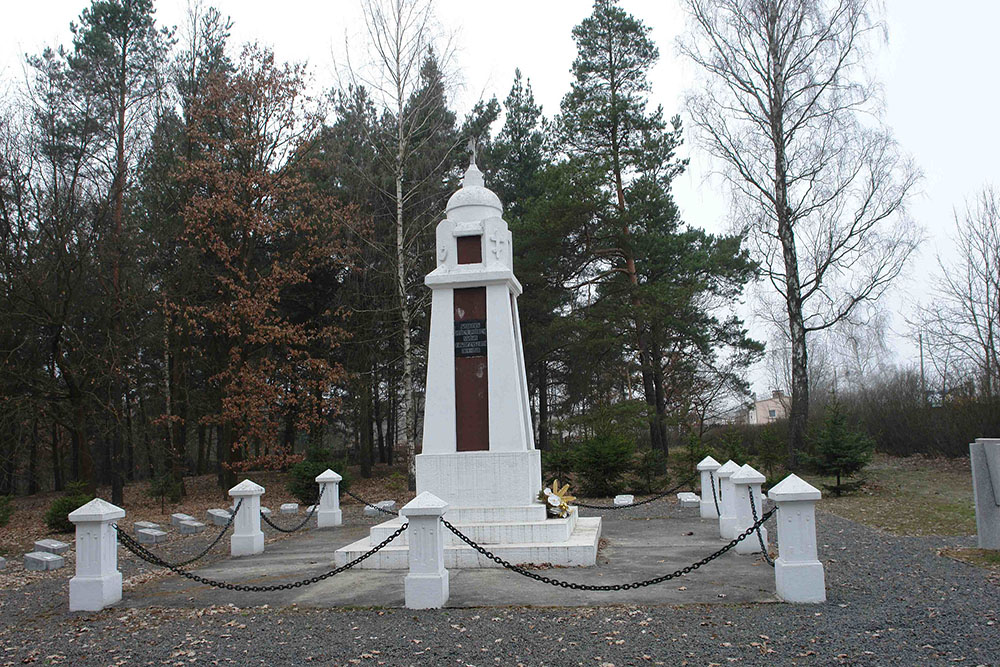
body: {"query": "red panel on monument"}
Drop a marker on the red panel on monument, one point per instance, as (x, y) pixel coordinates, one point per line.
(472, 407)
(470, 249)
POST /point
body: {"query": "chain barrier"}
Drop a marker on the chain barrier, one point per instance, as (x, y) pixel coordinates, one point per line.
(374, 507)
(129, 543)
(715, 498)
(658, 496)
(609, 587)
(203, 552)
(760, 538)
(304, 521)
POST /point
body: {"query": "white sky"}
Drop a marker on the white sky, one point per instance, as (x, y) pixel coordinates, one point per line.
(939, 72)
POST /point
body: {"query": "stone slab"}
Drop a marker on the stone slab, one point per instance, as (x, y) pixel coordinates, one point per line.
(688, 499)
(151, 536)
(218, 517)
(144, 525)
(389, 505)
(266, 511)
(289, 508)
(175, 519)
(52, 546)
(624, 499)
(191, 527)
(41, 561)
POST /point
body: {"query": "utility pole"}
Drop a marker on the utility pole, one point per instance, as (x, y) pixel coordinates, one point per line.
(923, 386)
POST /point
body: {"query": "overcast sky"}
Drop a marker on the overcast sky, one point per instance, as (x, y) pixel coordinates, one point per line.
(938, 69)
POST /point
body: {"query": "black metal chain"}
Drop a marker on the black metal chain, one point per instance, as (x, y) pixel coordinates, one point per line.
(715, 498)
(609, 587)
(374, 507)
(152, 558)
(658, 496)
(304, 521)
(201, 554)
(760, 538)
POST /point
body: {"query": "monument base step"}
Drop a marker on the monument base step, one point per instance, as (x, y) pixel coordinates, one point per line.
(579, 550)
(545, 531)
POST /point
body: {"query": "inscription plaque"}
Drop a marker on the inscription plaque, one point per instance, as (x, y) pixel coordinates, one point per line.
(470, 338)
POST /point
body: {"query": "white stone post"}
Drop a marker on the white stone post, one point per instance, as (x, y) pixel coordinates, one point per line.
(328, 513)
(743, 479)
(707, 468)
(248, 538)
(426, 585)
(798, 574)
(727, 521)
(97, 583)
(984, 455)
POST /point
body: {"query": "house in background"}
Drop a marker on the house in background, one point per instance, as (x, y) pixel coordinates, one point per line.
(767, 410)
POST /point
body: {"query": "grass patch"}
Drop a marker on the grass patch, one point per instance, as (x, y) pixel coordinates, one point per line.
(910, 496)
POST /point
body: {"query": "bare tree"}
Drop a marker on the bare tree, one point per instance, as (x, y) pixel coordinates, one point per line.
(819, 186)
(962, 325)
(401, 36)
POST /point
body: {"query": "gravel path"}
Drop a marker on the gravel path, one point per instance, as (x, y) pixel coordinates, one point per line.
(892, 601)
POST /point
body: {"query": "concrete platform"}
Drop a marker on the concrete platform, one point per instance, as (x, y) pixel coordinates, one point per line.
(632, 550)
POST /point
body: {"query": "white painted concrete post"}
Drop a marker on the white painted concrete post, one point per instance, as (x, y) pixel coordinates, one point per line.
(984, 455)
(743, 479)
(798, 574)
(707, 468)
(426, 585)
(248, 538)
(97, 583)
(328, 513)
(727, 521)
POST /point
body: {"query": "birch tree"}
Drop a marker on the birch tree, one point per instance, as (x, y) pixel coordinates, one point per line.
(819, 186)
(400, 36)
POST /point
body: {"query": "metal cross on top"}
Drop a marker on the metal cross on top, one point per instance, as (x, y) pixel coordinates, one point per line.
(472, 150)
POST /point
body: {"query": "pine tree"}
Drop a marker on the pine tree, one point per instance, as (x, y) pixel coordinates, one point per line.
(839, 450)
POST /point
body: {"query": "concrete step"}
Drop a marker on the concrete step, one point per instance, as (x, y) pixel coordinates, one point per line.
(546, 531)
(579, 550)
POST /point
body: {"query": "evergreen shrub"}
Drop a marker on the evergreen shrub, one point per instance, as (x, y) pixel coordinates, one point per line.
(601, 463)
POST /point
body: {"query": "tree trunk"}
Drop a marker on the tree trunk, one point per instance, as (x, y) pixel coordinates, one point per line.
(33, 459)
(202, 450)
(58, 484)
(379, 426)
(543, 405)
(365, 430)
(409, 409)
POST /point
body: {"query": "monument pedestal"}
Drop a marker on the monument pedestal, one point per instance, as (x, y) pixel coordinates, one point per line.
(486, 492)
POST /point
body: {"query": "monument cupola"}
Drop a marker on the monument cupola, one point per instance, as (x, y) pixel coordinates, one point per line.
(473, 201)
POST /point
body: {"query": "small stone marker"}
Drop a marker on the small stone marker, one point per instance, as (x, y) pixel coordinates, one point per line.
(151, 535)
(689, 499)
(388, 505)
(52, 546)
(266, 511)
(310, 509)
(218, 517)
(3, 563)
(191, 527)
(289, 508)
(625, 499)
(175, 519)
(41, 561)
(144, 525)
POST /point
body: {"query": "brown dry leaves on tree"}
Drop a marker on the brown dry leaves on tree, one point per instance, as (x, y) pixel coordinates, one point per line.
(263, 231)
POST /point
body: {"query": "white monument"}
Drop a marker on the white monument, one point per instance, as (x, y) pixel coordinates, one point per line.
(479, 452)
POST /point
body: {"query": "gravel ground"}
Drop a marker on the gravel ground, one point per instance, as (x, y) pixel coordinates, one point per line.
(892, 601)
